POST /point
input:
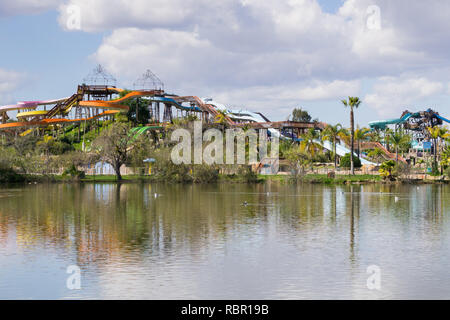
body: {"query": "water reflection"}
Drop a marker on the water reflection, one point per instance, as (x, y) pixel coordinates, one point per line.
(201, 241)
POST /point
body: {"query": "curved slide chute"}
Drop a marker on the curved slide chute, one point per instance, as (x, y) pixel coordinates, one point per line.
(207, 105)
(51, 121)
(23, 105)
(382, 124)
(27, 114)
(442, 118)
(115, 104)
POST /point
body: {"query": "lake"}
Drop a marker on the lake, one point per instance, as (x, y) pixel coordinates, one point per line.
(226, 241)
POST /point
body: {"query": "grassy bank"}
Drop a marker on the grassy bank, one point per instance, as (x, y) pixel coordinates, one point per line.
(324, 179)
(221, 178)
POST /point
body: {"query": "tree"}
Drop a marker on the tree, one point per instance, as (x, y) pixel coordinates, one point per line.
(332, 134)
(361, 134)
(346, 161)
(445, 158)
(437, 133)
(397, 139)
(143, 148)
(221, 118)
(345, 136)
(387, 138)
(138, 111)
(299, 115)
(376, 136)
(376, 154)
(113, 145)
(386, 170)
(352, 103)
(298, 161)
(309, 142)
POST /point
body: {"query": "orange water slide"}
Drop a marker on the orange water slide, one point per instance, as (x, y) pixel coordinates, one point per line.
(115, 104)
(112, 106)
(46, 122)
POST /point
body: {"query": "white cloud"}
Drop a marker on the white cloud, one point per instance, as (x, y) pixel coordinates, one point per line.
(9, 81)
(291, 40)
(330, 90)
(16, 7)
(392, 95)
(286, 51)
(103, 15)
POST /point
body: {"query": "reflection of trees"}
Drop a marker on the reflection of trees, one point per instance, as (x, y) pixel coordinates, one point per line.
(97, 221)
(354, 208)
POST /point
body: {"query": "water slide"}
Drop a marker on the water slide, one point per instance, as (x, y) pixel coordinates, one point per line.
(246, 115)
(115, 104)
(382, 124)
(51, 121)
(137, 131)
(386, 152)
(342, 151)
(24, 105)
(205, 105)
(442, 118)
(175, 103)
(65, 105)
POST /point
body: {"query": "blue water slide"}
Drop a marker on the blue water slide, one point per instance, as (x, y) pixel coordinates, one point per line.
(442, 118)
(174, 103)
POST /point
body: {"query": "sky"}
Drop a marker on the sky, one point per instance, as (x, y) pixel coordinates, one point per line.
(269, 56)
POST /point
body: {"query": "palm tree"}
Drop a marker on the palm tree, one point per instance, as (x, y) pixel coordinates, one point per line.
(309, 142)
(361, 134)
(222, 118)
(332, 134)
(344, 135)
(443, 135)
(375, 136)
(445, 162)
(437, 133)
(397, 139)
(352, 103)
(387, 136)
(434, 135)
(376, 154)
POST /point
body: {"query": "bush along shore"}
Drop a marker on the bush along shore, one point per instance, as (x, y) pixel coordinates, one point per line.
(212, 176)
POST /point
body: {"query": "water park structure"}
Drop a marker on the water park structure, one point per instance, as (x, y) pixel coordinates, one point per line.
(98, 97)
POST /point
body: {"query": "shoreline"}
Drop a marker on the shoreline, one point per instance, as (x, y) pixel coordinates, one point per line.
(223, 179)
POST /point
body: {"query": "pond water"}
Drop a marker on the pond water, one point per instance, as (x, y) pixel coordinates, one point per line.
(228, 241)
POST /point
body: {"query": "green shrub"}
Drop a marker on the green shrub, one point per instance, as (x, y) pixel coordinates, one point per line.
(9, 175)
(74, 173)
(387, 170)
(345, 161)
(247, 174)
(205, 173)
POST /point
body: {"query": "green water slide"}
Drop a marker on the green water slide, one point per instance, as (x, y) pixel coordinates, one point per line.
(137, 131)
